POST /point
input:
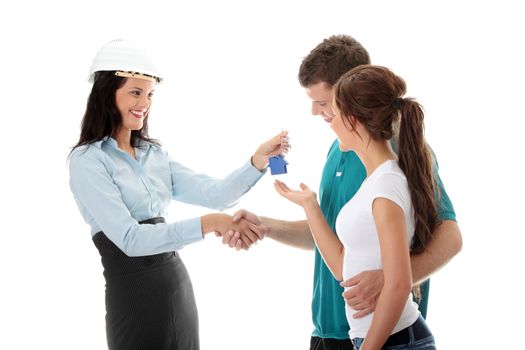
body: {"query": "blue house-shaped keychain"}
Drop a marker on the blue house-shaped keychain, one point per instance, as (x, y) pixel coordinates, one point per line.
(278, 165)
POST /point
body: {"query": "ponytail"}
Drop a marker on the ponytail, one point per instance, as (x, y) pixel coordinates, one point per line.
(415, 159)
(371, 94)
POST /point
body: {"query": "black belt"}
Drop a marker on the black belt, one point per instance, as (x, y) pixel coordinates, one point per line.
(115, 260)
(152, 221)
(419, 330)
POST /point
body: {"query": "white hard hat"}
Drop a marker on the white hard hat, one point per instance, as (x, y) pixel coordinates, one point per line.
(124, 57)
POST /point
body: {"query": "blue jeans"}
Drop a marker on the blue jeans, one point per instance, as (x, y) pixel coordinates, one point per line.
(418, 338)
(423, 344)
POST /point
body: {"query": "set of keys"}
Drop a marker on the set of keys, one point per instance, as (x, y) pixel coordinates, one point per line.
(278, 163)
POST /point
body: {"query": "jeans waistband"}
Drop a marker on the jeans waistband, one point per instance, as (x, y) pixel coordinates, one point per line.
(417, 331)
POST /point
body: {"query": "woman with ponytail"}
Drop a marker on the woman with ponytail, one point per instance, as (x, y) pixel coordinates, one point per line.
(393, 213)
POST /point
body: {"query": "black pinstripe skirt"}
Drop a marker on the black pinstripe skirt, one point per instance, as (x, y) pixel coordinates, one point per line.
(149, 300)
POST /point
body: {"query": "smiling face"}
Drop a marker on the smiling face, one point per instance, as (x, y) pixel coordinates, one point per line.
(133, 101)
(321, 96)
(324, 106)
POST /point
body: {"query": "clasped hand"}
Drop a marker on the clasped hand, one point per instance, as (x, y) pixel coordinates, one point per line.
(238, 239)
(240, 231)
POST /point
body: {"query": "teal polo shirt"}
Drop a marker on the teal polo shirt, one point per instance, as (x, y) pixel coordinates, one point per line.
(342, 176)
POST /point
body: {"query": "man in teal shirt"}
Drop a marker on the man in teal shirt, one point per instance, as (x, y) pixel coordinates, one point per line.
(342, 176)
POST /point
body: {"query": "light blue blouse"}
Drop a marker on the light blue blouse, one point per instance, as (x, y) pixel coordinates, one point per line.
(114, 191)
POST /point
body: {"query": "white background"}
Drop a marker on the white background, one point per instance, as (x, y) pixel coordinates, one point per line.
(230, 70)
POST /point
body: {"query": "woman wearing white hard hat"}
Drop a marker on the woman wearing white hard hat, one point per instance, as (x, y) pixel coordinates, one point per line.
(123, 183)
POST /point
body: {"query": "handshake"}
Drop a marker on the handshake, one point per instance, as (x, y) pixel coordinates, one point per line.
(241, 230)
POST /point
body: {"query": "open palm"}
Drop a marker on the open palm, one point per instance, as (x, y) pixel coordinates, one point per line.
(300, 197)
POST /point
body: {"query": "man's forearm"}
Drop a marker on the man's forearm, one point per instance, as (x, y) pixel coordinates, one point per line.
(446, 242)
(294, 233)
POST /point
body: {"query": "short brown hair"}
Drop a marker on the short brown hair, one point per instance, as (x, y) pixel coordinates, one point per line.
(329, 60)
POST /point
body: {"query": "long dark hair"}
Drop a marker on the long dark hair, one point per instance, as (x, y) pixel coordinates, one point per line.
(102, 117)
(374, 96)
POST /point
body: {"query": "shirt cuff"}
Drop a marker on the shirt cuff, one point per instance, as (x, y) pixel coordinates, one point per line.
(191, 231)
(251, 174)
